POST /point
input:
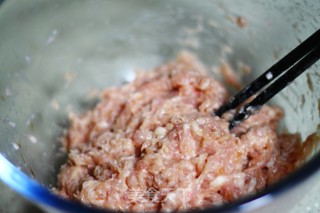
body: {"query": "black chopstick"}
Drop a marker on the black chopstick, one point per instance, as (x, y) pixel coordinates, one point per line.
(274, 71)
(276, 87)
(300, 59)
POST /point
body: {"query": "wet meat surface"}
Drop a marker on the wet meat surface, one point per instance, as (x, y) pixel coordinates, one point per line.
(153, 145)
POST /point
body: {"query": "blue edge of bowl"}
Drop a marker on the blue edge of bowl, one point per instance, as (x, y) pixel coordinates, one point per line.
(39, 194)
(43, 197)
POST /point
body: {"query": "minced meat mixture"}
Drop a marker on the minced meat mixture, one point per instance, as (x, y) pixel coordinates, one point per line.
(153, 145)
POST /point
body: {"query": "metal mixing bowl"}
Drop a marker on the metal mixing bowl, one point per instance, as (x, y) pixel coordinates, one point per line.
(54, 55)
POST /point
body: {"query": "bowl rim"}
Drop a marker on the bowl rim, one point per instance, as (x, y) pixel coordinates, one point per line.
(46, 199)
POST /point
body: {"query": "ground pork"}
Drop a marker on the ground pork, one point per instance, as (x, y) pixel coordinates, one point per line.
(154, 145)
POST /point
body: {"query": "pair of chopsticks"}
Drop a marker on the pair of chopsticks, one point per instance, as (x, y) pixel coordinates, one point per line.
(288, 68)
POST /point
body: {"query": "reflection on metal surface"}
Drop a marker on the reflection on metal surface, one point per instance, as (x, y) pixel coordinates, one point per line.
(255, 204)
(43, 42)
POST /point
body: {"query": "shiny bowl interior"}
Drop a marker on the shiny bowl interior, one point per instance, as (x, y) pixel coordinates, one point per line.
(55, 55)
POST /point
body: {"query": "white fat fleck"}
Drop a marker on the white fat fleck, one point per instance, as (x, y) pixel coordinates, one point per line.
(7, 92)
(269, 76)
(172, 196)
(204, 84)
(128, 158)
(218, 181)
(27, 59)
(196, 128)
(252, 185)
(169, 126)
(32, 139)
(240, 179)
(137, 95)
(12, 124)
(15, 146)
(103, 124)
(160, 132)
(148, 135)
(271, 162)
(201, 121)
(186, 127)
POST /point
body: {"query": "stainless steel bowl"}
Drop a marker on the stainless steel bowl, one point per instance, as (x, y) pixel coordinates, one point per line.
(54, 54)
